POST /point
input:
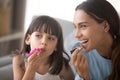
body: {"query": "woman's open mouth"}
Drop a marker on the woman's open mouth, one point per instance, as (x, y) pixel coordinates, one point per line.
(83, 42)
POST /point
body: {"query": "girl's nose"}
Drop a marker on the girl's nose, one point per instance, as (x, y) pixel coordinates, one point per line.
(44, 41)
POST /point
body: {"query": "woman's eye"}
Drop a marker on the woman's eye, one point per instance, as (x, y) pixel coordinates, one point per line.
(83, 26)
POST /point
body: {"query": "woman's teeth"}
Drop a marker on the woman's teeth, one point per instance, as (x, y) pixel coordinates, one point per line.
(83, 41)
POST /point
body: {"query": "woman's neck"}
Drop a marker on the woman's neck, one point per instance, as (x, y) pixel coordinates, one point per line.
(106, 48)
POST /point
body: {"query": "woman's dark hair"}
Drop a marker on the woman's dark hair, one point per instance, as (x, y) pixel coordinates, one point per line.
(51, 26)
(102, 10)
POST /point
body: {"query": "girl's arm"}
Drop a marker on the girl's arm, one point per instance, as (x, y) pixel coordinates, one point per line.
(32, 66)
(67, 73)
(18, 70)
(29, 74)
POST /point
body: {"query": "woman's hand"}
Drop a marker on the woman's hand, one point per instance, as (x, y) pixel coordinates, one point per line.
(81, 64)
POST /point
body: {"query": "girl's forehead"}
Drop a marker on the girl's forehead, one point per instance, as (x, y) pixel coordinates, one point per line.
(49, 28)
(37, 32)
(45, 29)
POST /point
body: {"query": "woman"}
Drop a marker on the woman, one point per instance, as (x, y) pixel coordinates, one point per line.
(97, 27)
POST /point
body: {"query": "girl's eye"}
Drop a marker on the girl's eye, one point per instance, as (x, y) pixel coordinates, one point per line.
(38, 36)
(51, 38)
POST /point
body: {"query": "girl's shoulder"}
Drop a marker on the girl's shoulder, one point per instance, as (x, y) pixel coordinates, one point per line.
(67, 72)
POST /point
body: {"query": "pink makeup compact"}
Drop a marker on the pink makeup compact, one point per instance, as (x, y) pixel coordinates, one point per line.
(33, 51)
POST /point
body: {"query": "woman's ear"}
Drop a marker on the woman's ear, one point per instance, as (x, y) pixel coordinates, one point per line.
(55, 49)
(27, 40)
(106, 26)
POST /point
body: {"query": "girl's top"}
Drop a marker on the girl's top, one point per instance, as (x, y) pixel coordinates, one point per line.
(47, 76)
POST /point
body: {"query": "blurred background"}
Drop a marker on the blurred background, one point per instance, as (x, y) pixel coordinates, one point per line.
(15, 17)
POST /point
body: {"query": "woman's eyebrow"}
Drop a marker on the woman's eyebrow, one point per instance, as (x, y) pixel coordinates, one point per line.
(80, 23)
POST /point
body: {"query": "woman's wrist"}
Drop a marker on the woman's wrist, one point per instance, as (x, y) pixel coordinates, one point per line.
(85, 77)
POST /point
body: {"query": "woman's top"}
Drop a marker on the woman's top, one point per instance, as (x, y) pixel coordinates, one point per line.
(47, 76)
(99, 67)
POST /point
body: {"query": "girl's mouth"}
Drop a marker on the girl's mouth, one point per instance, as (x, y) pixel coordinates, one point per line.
(42, 50)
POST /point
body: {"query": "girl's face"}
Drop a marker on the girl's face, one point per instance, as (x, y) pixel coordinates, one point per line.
(42, 40)
(89, 31)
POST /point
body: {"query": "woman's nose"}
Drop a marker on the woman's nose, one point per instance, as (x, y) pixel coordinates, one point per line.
(78, 34)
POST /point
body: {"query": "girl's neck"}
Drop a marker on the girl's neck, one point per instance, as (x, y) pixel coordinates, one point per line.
(44, 66)
(44, 61)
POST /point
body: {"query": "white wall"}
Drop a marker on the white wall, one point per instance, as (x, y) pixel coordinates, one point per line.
(62, 9)
(67, 27)
(116, 4)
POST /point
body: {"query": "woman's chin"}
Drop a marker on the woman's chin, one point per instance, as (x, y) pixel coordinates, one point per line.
(87, 49)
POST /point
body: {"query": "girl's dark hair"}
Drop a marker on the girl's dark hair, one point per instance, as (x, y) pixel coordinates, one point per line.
(102, 10)
(51, 26)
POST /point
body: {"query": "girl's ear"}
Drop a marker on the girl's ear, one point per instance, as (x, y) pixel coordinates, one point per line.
(27, 40)
(106, 26)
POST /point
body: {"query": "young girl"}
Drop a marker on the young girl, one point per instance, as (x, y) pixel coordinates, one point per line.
(48, 62)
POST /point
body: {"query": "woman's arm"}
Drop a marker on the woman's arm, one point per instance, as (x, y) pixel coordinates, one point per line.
(81, 64)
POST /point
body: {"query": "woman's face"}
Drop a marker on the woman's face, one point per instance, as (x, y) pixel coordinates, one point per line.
(88, 30)
(42, 40)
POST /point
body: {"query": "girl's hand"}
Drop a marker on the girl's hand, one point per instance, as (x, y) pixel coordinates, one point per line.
(81, 64)
(34, 60)
(32, 65)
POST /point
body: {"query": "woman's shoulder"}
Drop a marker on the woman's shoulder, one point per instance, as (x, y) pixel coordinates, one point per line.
(95, 55)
